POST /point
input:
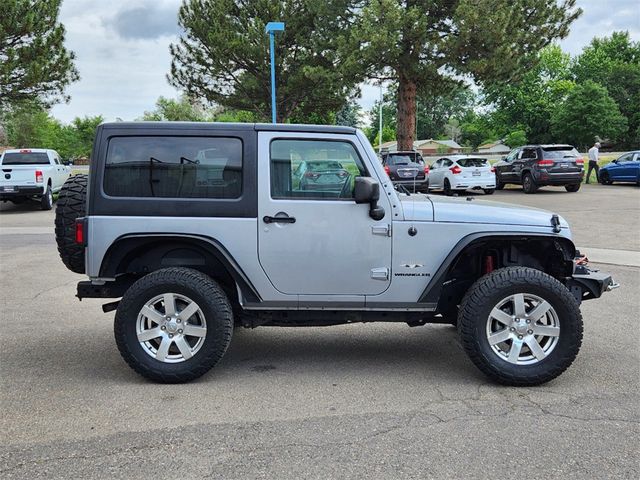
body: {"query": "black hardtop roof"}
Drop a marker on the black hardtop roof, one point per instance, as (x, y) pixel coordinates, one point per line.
(272, 127)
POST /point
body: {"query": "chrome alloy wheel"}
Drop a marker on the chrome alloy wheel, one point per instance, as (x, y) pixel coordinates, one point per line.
(171, 328)
(523, 329)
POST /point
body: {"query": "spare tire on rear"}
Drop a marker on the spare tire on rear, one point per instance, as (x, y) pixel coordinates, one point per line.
(72, 201)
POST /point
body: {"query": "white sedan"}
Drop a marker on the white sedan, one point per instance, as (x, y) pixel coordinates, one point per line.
(457, 173)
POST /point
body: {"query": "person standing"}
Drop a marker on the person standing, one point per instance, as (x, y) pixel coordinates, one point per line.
(593, 161)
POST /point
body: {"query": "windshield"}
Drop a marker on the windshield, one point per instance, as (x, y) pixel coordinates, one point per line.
(403, 159)
(473, 162)
(27, 158)
(558, 153)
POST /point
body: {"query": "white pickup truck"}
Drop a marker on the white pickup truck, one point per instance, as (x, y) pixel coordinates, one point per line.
(34, 173)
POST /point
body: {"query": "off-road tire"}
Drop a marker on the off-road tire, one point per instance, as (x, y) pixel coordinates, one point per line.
(46, 202)
(529, 184)
(481, 298)
(71, 205)
(574, 187)
(184, 281)
(446, 189)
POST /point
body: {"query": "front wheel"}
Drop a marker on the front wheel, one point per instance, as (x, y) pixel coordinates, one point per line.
(574, 187)
(520, 326)
(499, 184)
(488, 191)
(173, 325)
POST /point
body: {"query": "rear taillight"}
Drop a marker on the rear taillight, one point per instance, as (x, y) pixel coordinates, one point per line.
(545, 163)
(493, 169)
(80, 231)
(312, 175)
(579, 161)
(343, 174)
(426, 169)
(39, 178)
(455, 169)
(387, 170)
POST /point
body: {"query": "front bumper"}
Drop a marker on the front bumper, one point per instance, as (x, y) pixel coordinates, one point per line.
(586, 283)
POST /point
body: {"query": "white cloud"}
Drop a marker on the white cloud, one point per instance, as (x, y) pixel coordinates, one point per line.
(122, 49)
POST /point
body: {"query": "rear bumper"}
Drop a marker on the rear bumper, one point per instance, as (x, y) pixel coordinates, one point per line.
(422, 182)
(471, 183)
(544, 178)
(586, 284)
(20, 191)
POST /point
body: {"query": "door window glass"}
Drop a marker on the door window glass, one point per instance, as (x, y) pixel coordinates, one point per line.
(314, 169)
(174, 167)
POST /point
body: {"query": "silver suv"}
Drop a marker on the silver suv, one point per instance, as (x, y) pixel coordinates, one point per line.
(195, 229)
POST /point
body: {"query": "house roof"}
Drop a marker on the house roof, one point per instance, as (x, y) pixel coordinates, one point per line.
(418, 143)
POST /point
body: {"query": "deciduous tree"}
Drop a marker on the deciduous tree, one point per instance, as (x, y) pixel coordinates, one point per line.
(588, 113)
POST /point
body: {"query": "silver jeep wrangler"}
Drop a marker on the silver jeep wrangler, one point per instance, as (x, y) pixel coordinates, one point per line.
(199, 228)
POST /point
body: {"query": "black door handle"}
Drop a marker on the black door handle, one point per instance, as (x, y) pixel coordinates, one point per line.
(268, 219)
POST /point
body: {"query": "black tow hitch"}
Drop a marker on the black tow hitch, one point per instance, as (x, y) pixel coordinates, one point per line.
(587, 283)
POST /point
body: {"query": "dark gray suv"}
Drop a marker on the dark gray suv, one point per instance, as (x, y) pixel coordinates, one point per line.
(535, 166)
(407, 169)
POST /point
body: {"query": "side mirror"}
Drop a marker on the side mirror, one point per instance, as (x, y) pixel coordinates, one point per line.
(367, 190)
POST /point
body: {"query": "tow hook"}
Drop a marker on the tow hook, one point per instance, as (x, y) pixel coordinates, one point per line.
(612, 286)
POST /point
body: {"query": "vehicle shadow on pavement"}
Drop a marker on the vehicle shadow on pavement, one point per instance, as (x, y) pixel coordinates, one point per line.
(11, 208)
(382, 351)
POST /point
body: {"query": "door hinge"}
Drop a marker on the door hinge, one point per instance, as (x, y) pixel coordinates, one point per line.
(380, 273)
(384, 230)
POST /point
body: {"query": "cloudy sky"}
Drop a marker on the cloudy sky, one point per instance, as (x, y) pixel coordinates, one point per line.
(122, 49)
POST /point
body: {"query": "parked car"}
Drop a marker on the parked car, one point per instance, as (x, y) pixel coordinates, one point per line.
(32, 173)
(626, 168)
(535, 166)
(457, 173)
(407, 168)
(207, 258)
(321, 176)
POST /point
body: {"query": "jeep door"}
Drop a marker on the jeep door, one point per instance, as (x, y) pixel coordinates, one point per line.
(319, 241)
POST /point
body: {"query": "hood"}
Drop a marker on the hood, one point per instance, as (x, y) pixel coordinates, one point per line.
(461, 210)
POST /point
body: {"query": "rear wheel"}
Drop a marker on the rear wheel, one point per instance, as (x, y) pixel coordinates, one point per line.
(488, 191)
(520, 326)
(447, 188)
(173, 325)
(528, 184)
(574, 187)
(46, 202)
(499, 184)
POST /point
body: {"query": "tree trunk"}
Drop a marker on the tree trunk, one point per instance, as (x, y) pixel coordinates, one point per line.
(406, 120)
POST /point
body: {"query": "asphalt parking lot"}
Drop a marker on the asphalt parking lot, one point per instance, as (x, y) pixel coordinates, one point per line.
(374, 400)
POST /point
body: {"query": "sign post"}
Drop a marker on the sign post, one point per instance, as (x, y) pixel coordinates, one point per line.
(271, 28)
